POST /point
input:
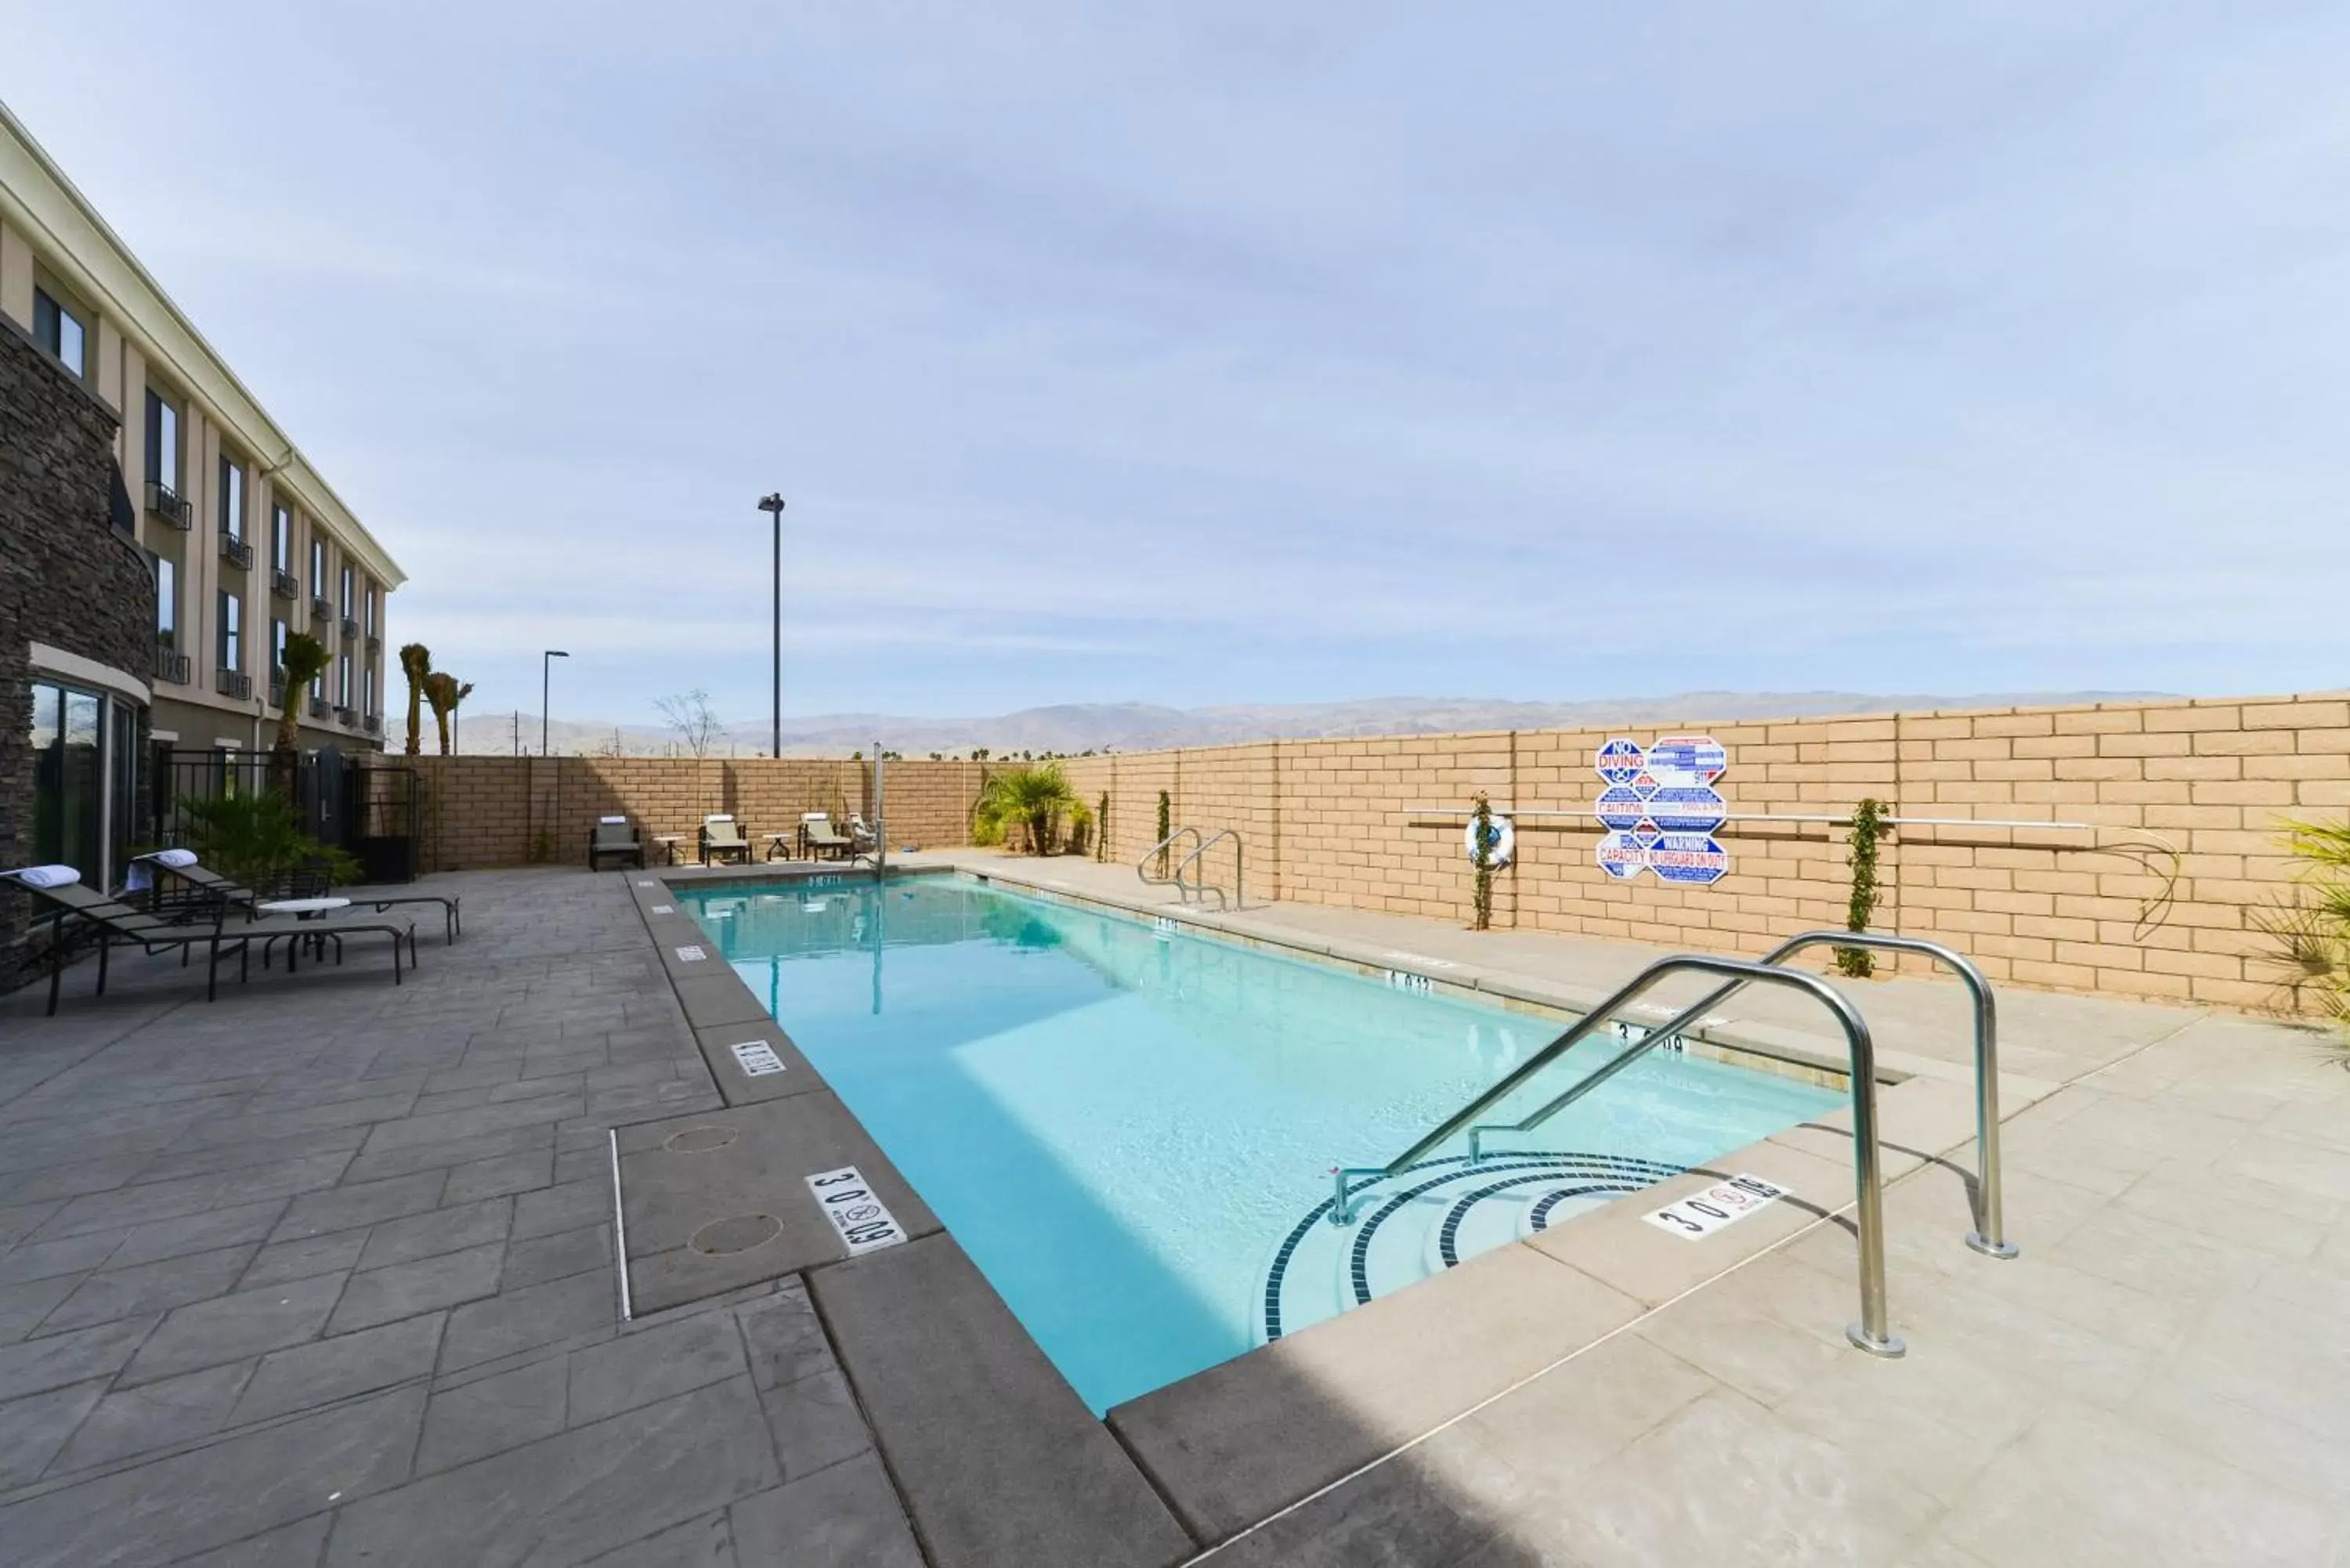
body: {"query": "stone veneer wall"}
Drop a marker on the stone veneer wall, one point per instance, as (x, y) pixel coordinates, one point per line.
(67, 577)
(1331, 822)
(489, 810)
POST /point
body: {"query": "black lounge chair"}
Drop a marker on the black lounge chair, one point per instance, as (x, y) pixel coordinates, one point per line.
(118, 922)
(212, 888)
(618, 837)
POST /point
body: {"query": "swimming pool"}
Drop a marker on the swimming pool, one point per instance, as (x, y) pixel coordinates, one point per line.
(1131, 1132)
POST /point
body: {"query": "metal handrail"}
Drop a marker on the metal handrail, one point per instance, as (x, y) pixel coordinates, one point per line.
(1989, 1236)
(1870, 1333)
(1199, 884)
(1142, 867)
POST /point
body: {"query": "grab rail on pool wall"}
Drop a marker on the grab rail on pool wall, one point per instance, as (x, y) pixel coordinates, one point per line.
(1165, 847)
(1200, 884)
(1871, 1332)
(1194, 886)
(1989, 1236)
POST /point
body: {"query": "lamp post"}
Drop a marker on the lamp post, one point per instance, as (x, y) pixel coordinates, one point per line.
(545, 668)
(773, 506)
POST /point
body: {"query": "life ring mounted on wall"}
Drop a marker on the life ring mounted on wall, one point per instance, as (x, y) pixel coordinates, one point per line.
(1502, 846)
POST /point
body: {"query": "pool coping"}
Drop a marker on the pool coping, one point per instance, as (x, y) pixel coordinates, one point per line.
(1237, 1443)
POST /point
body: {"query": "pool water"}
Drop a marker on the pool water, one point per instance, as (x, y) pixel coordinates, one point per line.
(1121, 1126)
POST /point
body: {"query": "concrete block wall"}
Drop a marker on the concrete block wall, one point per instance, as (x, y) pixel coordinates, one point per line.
(2196, 788)
(492, 810)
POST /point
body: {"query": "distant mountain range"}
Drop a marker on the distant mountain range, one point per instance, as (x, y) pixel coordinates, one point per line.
(1076, 727)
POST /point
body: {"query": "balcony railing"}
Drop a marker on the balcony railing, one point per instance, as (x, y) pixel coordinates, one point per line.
(319, 708)
(233, 683)
(235, 551)
(322, 609)
(347, 717)
(350, 628)
(375, 723)
(277, 689)
(285, 586)
(171, 667)
(374, 643)
(167, 503)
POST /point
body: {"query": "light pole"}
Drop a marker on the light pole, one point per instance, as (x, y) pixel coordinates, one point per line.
(773, 506)
(545, 665)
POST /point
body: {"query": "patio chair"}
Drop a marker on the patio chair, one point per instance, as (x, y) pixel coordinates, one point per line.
(211, 887)
(60, 888)
(721, 835)
(616, 836)
(823, 839)
(865, 843)
(118, 922)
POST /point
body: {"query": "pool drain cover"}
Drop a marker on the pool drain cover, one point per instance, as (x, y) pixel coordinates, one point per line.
(717, 1200)
(738, 1234)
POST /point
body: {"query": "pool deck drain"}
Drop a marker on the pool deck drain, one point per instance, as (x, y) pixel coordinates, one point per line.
(323, 1274)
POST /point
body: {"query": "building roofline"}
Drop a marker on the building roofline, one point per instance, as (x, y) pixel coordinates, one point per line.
(37, 194)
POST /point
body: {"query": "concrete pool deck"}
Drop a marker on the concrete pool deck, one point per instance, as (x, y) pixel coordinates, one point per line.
(323, 1274)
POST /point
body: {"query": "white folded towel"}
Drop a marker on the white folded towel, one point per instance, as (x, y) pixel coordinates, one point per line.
(46, 876)
(172, 858)
(141, 873)
(612, 819)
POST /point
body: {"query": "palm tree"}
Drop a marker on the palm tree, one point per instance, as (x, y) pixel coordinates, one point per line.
(1035, 796)
(444, 693)
(416, 663)
(304, 660)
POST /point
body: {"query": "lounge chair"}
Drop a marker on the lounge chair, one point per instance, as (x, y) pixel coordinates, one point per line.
(822, 840)
(618, 837)
(211, 889)
(865, 843)
(721, 835)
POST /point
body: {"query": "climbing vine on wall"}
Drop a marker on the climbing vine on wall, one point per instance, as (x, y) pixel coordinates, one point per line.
(1482, 858)
(1867, 828)
(1101, 829)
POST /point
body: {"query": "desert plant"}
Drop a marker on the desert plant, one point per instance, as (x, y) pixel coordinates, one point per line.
(1166, 811)
(1081, 826)
(256, 838)
(1034, 797)
(444, 692)
(1101, 829)
(416, 663)
(2309, 934)
(1867, 828)
(303, 660)
(1486, 837)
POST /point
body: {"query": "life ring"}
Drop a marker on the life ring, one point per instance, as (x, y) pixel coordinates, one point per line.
(1503, 845)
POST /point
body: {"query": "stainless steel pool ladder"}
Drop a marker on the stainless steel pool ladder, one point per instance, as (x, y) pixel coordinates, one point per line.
(1989, 1236)
(1196, 885)
(1872, 1332)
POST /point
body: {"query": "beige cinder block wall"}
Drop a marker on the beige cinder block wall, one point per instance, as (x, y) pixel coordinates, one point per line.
(491, 810)
(1331, 822)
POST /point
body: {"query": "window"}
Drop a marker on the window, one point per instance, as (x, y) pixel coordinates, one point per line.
(318, 569)
(276, 646)
(58, 329)
(281, 539)
(231, 631)
(343, 680)
(369, 598)
(346, 593)
(231, 499)
(167, 602)
(367, 691)
(85, 777)
(163, 441)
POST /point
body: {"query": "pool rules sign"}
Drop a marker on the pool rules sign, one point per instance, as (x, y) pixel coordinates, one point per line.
(1660, 809)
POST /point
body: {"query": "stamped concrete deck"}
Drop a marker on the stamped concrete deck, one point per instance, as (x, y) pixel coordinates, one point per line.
(323, 1274)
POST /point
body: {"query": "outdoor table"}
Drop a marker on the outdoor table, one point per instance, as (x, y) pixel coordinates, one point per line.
(301, 909)
(779, 844)
(669, 846)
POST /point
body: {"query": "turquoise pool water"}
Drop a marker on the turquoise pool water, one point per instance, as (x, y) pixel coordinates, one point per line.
(1121, 1127)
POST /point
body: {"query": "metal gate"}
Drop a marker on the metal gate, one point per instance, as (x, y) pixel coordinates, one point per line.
(368, 811)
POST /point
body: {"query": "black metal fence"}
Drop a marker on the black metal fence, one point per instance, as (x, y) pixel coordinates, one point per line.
(368, 811)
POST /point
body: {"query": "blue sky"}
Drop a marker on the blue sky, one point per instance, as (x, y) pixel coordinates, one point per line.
(1215, 354)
